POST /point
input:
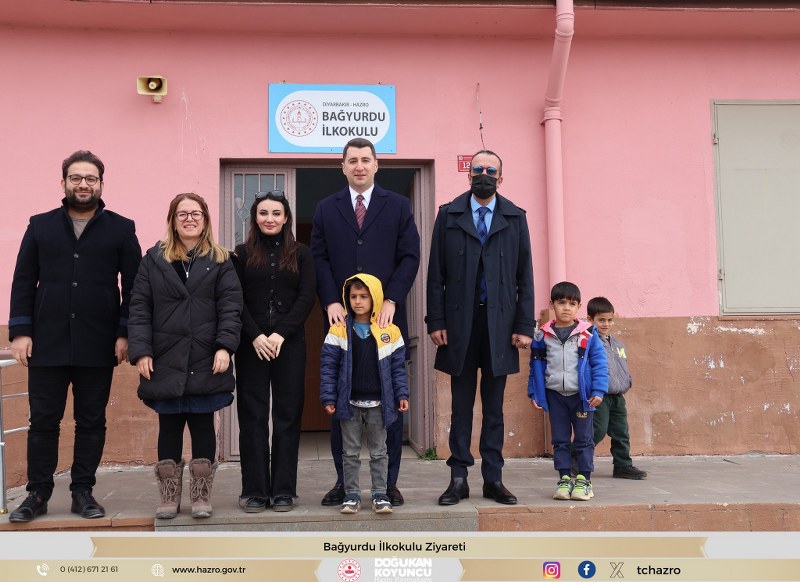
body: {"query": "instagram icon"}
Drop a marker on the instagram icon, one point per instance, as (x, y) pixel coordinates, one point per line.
(551, 570)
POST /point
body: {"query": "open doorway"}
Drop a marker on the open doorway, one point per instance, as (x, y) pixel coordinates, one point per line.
(305, 186)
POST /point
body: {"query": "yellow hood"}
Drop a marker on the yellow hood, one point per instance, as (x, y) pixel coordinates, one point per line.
(375, 289)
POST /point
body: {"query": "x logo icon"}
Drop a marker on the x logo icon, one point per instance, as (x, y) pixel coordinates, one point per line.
(616, 569)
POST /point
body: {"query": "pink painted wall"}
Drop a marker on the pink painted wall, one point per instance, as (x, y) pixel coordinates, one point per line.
(638, 158)
(637, 124)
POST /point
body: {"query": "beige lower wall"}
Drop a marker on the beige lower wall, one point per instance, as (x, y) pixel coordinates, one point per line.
(701, 386)
(132, 428)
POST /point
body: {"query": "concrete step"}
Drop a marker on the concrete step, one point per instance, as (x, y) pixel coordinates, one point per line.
(731, 493)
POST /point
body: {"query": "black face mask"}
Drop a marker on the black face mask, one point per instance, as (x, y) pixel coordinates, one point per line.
(484, 186)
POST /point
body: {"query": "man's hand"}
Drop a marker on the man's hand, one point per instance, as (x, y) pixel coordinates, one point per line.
(536, 406)
(22, 349)
(330, 409)
(121, 349)
(222, 359)
(336, 314)
(595, 401)
(439, 337)
(145, 366)
(386, 316)
(403, 406)
(521, 341)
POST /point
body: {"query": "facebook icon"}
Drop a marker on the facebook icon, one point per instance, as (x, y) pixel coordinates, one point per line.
(586, 569)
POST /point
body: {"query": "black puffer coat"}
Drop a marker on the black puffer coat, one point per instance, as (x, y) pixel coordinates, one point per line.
(181, 326)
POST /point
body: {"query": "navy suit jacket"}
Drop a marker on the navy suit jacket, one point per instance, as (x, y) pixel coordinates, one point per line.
(387, 247)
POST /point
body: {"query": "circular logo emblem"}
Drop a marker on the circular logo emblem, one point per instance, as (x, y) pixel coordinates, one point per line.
(385, 338)
(586, 569)
(349, 570)
(157, 570)
(298, 118)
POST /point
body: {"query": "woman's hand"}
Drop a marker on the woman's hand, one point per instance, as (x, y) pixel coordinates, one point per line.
(222, 359)
(145, 366)
(274, 341)
(262, 347)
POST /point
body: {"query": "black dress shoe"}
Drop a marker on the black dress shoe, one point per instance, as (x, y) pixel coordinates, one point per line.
(335, 496)
(283, 503)
(455, 492)
(255, 505)
(32, 507)
(499, 493)
(394, 495)
(86, 506)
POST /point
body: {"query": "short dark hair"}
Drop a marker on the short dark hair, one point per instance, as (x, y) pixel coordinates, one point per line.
(82, 156)
(491, 153)
(357, 283)
(565, 290)
(598, 305)
(358, 143)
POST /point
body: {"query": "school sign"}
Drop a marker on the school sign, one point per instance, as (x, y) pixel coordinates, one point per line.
(322, 118)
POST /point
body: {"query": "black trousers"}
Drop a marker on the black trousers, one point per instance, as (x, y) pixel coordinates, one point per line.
(201, 428)
(462, 389)
(270, 470)
(47, 389)
(394, 446)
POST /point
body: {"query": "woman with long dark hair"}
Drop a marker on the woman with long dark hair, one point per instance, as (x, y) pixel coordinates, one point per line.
(279, 285)
(185, 321)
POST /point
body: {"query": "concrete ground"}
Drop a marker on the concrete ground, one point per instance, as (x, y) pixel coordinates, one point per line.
(726, 493)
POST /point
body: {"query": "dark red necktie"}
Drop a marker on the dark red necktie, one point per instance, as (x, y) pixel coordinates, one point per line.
(361, 210)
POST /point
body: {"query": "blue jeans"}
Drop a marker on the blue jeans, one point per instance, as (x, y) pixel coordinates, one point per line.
(371, 421)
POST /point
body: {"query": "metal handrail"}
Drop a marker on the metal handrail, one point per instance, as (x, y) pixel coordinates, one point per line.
(4, 363)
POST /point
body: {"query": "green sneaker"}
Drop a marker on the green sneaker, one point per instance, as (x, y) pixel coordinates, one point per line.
(564, 489)
(582, 491)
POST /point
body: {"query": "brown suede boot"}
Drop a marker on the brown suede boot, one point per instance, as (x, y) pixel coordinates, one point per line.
(202, 471)
(170, 484)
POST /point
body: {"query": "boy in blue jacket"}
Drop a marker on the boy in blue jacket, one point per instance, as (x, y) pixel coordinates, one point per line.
(363, 384)
(569, 378)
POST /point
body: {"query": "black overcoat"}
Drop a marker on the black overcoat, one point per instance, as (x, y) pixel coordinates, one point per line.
(181, 326)
(456, 253)
(66, 291)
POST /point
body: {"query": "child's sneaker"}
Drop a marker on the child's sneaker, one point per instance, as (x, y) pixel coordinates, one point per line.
(564, 489)
(351, 504)
(381, 503)
(582, 491)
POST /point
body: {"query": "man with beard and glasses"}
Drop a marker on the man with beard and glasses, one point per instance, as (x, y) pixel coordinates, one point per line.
(68, 324)
(480, 312)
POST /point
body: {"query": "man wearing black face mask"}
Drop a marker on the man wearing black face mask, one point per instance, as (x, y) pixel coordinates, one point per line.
(480, 313)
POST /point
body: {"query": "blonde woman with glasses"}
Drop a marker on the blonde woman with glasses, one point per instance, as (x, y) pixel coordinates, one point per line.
(184, 326)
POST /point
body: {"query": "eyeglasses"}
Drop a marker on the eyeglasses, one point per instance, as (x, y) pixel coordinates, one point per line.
(194, 214)
(76, 180)
(272, 195)
(490, 171)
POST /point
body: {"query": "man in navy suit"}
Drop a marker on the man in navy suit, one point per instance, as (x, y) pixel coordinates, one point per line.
(365, 229)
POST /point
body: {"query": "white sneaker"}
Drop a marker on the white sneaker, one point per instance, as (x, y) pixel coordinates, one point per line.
(350, 505)
(564, 489)
(381, 504)
(582, 491)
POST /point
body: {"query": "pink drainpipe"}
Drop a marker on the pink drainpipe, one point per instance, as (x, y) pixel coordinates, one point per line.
(554, 169)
